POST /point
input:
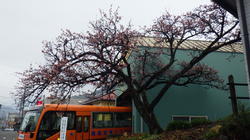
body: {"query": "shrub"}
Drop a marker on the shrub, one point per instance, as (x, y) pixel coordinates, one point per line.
(144, 136)
(153, 137)
(199, 121)
(212, 132)
(237, 126)
(175, 125)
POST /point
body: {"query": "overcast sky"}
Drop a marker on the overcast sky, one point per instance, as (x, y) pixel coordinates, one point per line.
(24, 24)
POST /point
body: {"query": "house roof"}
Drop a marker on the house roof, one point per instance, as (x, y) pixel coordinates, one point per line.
(189, 45)
(229, 5)
(106, 97)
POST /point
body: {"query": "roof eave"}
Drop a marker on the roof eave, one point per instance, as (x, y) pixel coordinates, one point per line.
(229, 5)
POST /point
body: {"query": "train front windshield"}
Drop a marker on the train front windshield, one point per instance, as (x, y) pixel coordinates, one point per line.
(30, 121)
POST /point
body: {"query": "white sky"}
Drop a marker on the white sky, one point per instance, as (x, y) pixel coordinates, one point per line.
(24, 24)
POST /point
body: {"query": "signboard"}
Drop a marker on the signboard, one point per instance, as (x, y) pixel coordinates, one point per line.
(63, 128)
(21, 136)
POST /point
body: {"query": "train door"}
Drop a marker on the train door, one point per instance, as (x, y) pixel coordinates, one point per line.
(83, 126)
(49, 128)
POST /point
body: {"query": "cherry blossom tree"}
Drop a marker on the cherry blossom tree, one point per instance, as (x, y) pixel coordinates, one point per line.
(108, 55)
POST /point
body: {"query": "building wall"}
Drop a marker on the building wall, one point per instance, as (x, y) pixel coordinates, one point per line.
(196, 100)
(103, 103)
(13, 118)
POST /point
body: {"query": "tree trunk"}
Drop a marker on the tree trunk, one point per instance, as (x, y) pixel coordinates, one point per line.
(152, 123)
(147, 114)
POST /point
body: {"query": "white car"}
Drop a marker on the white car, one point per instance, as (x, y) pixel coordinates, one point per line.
(9, 129)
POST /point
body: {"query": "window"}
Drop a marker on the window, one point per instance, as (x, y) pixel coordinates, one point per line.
(51, 123)
(79, 124)
(180, 118)
(102, 120)
(86, 124)
(198, 117)
(122, 119)
(187, 118)
(117, 119)
(29, 121)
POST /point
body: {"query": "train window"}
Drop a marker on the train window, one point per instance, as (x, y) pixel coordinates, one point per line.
(30, 121)
(79, 124)
(122, 119)
(86, 124)
(102, 120)
(106, 120)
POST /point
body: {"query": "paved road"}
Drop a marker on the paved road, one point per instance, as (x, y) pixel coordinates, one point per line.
(8, 135)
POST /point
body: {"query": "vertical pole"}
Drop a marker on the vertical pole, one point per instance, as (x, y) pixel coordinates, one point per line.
(243, 15)
(233, 94)
(141, 125)
(22, 102)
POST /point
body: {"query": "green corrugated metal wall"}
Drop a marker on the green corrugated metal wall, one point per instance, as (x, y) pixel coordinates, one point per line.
(196, 100)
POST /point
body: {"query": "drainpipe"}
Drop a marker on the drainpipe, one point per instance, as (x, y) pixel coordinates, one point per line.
(142, 127)
(245, 36)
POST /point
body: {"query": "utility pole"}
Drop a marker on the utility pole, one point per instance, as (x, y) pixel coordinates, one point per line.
(22, 108)
(22, 102)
